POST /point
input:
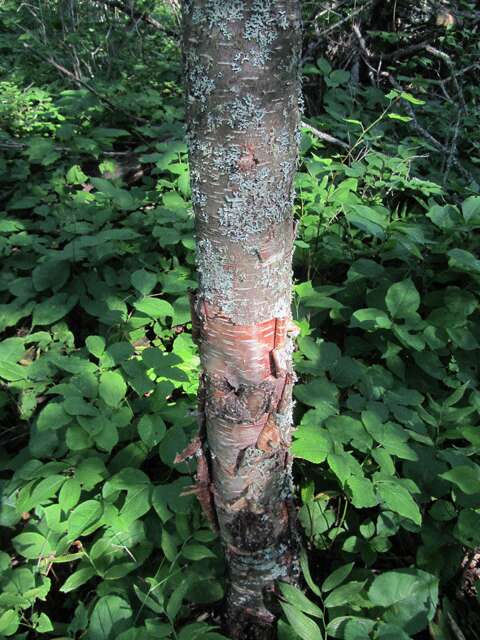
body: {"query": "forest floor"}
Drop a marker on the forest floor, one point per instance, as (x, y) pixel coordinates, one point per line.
(98, 371)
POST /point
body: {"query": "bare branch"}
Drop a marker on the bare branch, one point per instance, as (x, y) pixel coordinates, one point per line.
(324, 136)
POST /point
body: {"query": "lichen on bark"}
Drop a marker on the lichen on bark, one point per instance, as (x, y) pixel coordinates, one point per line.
(243, 123)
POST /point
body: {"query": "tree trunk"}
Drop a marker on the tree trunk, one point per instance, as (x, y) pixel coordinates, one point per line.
(243, 88)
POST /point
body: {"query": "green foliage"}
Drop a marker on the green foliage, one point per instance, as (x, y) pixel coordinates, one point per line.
(98, 371)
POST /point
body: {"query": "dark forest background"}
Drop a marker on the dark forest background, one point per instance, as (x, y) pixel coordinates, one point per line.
(98, 371)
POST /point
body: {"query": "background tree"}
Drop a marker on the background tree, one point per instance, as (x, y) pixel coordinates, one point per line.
(243, 90)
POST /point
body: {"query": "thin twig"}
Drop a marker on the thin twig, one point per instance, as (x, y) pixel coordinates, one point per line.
(139, 16)
(71, 76)
(426, 134)
(324, 136)
(351, 15)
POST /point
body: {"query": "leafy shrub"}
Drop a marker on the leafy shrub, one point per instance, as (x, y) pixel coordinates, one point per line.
(101, 538)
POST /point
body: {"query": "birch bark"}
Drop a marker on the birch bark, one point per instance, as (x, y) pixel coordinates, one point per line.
(242, 84)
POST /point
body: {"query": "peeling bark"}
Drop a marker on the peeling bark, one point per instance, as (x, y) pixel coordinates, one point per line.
(242, 81)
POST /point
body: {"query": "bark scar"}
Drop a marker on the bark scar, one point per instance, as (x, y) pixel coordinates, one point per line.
(269, 438)
(247, 161)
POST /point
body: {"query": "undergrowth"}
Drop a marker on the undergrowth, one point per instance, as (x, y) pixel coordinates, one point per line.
(98, 371)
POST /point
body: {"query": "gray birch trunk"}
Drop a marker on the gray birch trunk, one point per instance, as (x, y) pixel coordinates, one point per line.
(242, 82)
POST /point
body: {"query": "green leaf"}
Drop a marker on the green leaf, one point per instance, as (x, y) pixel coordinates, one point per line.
(306, 572)
(299, 600)
(75, 175)
(53, 416)
(398, 116)
(351, 627)
(467, 528)
(466, 478)
(111, 615)
(409, 98)
(402, 299)
(344, 594)
(151, 429)
(43, 491)
(195, 551)
(76, 579)
(154, 307)
(53, 309)
(399, 500)
(143, 281)
(463, 261)
(363, 495)
(370, 220)
(370, 319)
(9, 622)
(51, 274)
(43, 624)
(471, 209)
(95, 345)
(311, 443)
(304, 626)
(112, 388)
(69, 494)
(32, 545)
(409, 596)
(84, 519)
(12, 372)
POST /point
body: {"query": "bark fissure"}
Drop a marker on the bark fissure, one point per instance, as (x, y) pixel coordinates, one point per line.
(242, 81)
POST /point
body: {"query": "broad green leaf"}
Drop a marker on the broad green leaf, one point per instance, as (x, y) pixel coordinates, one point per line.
(151, 429)
(69, 494)
(304, 626)
(95, 345)
(399, 500)
(143, 281)
(471, 209)
(409, 596)
(402, 299)
(84, 518)
(52, 416)
(344, 594)
(11, 371)
(299, 600)
(75, 175)
(311, 443)
(370, 319)
(463, 260)
(195, 551)
(154, 307)
(51, 274)
(9, 622)
(363, 495)
(353, 627)
(112, 388)
(465, 478)
(337, 577)
(467, 528)
(111, 615)
(53, 309)
(32, 545)
(77, 578)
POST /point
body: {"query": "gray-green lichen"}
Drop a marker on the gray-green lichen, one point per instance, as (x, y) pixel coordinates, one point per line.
(199, 84)
(225, 158)
(216, 280)
(218, 14)
(199, 198)
(261, 28)
(256, 202)
(245, 112)
(276, 277)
